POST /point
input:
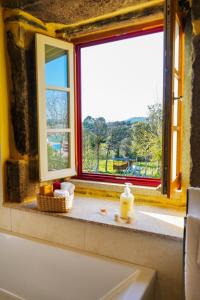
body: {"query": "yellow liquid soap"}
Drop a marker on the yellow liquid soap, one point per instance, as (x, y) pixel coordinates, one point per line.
(126, 202)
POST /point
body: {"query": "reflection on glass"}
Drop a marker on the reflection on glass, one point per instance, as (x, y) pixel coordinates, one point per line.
(176, 46)
(57, 109)
(56, 66)
(58, 151)
(175, 87)
(175, 117)
(175, 121)
(174, 162)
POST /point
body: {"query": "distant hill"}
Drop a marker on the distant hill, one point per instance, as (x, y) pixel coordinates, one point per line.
(136, 119)
(127, 121)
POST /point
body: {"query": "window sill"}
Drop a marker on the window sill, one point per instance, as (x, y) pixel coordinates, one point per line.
(155, 221)
(142, 194)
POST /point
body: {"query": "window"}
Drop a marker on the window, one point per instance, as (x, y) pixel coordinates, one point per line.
(55, 108)
(120, 119)
(173, 98)
(101, 157)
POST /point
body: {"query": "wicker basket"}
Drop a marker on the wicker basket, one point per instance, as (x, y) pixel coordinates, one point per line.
(54, 204)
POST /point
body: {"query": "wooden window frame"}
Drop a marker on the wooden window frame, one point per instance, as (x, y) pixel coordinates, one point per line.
(41, 41)
(168, 185)
(95, 40)
(173, 15)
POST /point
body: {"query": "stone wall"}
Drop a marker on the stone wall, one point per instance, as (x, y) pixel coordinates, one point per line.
(72, 12)
(20, 29)
(22, 169)
(195, 117)
(22, 174)
(23, 100)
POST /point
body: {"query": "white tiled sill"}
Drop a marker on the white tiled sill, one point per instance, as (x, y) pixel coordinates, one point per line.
(163, 222)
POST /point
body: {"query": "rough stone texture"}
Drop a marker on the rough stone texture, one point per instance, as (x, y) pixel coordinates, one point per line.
(68, 12)
(18, 3)
(195, 9)
(32, 100)
(115, 20)
(23, 100)
(22, 176)
(21, 179)
(195, 130)
(19, 94)
(13, 181)
(187, 104)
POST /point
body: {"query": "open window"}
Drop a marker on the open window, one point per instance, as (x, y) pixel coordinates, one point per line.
(55, 83)
(173, 98)
(55, 74)
(120, 88)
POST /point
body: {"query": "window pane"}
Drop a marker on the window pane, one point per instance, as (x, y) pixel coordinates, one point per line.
(57, 109)
(176, 94)
(56, 66)
(58, 151)
(175, 121)
(121, 93)
(176, 62)
(174, 162)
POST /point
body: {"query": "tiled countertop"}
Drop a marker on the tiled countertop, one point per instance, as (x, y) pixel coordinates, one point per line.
(166, 222)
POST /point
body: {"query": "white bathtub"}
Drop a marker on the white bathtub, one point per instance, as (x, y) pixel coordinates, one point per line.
(35, 271)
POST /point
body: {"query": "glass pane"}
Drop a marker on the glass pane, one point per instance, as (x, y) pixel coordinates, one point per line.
(58, 151)
(174, 161)
(176, 62)
(175, 121)
(57, 109)
(56, 66)
(175, 114)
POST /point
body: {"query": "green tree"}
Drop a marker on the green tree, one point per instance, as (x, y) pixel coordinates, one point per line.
(142, 138)
(56, 160)
(118, 140)
(147, 136)
(98, 134)
(88, 145)
(103, 140)
(155, 121)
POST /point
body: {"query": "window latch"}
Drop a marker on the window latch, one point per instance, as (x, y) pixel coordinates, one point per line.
(178, 98)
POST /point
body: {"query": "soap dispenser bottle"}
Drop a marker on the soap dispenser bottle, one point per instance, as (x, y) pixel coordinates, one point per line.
(126, 202)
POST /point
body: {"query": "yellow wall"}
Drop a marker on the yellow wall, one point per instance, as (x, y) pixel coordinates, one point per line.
(4, 119)
(23, 41)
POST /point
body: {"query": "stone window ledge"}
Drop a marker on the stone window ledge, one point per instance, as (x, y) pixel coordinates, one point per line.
(113, 187)
(163, 222)
(142, 194)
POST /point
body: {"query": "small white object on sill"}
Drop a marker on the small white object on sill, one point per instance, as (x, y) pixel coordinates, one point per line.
(67, 186)
(61, 193)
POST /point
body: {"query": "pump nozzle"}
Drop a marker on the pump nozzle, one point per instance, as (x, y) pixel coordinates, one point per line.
(127, 189)
(128, 184)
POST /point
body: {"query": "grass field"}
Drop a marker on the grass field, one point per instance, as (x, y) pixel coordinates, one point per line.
(142, 169)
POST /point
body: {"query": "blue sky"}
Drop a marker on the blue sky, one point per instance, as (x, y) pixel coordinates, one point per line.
(55, 71)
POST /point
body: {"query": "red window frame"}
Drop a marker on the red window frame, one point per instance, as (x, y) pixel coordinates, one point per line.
(142, 181)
